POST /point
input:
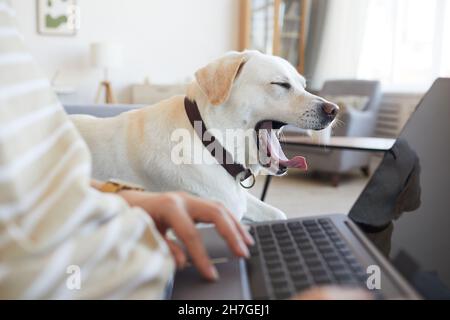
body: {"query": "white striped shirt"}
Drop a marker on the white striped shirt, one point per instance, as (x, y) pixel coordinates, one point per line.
(51, 221)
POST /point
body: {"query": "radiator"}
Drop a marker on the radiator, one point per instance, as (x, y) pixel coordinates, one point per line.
(395, 110)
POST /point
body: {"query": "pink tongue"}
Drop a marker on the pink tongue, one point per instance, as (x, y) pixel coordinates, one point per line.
(276, 152)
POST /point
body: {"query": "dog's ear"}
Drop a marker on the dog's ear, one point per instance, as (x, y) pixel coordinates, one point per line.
(216, 79)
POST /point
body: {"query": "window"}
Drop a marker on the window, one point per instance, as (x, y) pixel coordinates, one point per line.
(406, 43)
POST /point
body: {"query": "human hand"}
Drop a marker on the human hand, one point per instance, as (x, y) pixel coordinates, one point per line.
(333, 293)
(180, 211)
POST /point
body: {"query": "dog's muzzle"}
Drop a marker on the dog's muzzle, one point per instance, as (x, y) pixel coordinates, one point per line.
(270, 153)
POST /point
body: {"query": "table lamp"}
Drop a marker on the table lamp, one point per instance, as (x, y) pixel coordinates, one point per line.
(106, 56)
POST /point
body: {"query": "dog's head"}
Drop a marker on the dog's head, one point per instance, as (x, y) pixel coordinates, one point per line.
(253, 90)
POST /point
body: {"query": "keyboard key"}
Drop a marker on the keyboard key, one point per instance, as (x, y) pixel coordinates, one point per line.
(267, 242)
(279, 283)
(331, 233)
(308, 223)
(322, 242)
(301, 286)
(340, 245)
(362, 278)
(263, 230)
(291, 258)
(336, 265)
(344, 278)
(313, 262)
(271, 256)
(269, 248)
(309, 255)
(299, 235)
(297, 228)
(294, 225)
(326, 249)
(356, 266)
(325, 221)
(279, 227)
(313, 229)
(319, 237)
(274, 264)
(284, 243)
(278, 274)
(299, 277)
(254, 251)
(322, 280)
(282, 236)
(319, 272)
(301, 240)
(294, 266)
(288, 250)
(330, 256)
(265, 236)
(346, 253)
(282, 293)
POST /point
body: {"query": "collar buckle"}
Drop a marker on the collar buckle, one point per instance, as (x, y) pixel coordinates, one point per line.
(252, 183)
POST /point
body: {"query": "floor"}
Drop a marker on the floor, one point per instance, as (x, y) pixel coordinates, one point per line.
(301, 195)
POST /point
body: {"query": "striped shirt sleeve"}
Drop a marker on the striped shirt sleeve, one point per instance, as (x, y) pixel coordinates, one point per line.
(59, 238)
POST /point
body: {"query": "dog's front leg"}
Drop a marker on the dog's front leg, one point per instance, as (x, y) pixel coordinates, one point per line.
(261, 211)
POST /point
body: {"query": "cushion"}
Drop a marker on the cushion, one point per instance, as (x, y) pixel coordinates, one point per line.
(353, 102)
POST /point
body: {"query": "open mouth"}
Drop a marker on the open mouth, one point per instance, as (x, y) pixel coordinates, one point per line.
(270, 153)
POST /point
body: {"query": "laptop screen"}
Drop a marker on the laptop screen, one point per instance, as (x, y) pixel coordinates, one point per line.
(405, 207)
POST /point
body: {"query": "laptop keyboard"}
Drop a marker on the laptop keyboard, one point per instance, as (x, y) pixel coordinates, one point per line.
(292, 256)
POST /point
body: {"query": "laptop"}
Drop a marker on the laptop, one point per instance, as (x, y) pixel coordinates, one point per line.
(395, 241)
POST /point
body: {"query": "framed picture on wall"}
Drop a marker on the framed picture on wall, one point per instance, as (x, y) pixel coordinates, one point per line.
(58, 17)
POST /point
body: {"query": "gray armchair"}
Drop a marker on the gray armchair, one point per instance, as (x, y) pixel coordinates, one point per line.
(354, 123)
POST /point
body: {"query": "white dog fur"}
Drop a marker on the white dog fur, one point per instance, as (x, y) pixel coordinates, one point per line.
(235, 91)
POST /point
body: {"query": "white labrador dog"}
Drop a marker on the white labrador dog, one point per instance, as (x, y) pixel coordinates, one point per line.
(241, 90)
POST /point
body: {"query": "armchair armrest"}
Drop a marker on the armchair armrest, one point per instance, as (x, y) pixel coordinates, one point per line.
(357, 124)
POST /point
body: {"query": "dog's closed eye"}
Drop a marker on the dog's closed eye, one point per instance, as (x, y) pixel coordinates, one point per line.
(285, 85)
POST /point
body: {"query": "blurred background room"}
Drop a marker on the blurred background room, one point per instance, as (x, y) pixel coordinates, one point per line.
(375, 58)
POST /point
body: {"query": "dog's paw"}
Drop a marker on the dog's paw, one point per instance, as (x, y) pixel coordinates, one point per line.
(277, 215)
(266, 214)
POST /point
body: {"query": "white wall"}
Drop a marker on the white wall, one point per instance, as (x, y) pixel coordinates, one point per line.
(341, 42)
(166, 40)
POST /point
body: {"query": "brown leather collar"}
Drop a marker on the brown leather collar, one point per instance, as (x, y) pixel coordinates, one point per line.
(226, 159)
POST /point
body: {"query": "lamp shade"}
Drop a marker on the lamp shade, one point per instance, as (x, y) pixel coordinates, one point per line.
(106, 55)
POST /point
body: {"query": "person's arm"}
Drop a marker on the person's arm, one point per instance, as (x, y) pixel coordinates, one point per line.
(180, 211)
(96, 184)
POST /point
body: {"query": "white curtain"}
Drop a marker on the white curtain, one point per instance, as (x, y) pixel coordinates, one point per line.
(341, 41)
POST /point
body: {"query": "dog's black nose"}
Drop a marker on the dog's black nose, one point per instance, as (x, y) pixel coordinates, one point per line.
(329, 109)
